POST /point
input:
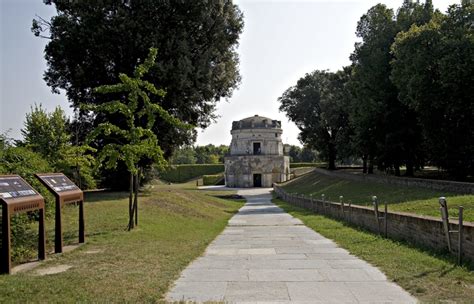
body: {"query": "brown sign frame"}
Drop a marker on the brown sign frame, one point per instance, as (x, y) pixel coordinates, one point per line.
(20, 204)
(64, 197)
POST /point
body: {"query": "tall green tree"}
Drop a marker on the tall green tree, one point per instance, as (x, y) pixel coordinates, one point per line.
(137, 140)
(386, 131)
(433, 68)
(318, 105)
(92, 42)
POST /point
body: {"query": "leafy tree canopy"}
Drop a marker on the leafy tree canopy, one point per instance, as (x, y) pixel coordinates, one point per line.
(433, 68)
(46, 133)
(318, 105)
(208, 154)
(92, 42)
(386, 132)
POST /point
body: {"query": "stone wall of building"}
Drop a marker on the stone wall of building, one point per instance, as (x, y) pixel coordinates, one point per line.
(256, 154)
(425, 231)
(269, 139)
(239, 170)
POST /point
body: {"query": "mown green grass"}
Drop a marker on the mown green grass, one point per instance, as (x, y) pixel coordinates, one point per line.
(400, 198)
(429, 277)
(176, 223)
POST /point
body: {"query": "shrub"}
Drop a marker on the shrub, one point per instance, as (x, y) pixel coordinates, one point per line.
(184, 173)
(24, 162)
(300, 165)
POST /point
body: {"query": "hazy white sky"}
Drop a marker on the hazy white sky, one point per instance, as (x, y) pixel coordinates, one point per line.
(282, 40)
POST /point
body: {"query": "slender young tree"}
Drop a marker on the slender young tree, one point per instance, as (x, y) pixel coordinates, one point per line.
(137, 140)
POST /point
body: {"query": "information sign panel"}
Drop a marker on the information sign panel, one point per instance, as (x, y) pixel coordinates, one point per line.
(58, 182)
(15, 186)
(65, 192)
(17, 196)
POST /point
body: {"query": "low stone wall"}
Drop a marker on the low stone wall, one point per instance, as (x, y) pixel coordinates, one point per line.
(425, 231)
(441, 185)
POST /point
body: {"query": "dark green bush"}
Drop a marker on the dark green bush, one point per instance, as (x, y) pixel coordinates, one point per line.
(24, 162)
(300, 165)
(184, 173)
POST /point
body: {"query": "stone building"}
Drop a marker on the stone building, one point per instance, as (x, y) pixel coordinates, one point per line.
(256, 154)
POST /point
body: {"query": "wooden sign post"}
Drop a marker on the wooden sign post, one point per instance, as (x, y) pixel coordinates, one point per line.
(65, 192)
(17, 196)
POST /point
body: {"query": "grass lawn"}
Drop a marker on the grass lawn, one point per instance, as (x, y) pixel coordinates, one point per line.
(428, 277)
(176, 223)
(401, 198)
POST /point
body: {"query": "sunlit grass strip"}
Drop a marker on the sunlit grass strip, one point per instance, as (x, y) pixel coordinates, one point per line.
(427, 276)
(400, 198)
(176, 225)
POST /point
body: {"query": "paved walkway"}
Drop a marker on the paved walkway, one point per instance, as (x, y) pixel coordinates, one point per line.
(267, 256)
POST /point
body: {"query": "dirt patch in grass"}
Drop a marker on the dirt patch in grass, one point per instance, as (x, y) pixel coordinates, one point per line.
(53, 270)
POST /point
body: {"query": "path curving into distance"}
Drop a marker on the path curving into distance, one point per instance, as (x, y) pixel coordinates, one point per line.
(267, 256)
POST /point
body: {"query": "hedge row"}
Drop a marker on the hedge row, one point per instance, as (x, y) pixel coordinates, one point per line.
(184, 173)
(300, 165)
(211, 180)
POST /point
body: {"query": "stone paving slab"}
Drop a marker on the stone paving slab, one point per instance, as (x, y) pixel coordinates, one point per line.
(267, 256)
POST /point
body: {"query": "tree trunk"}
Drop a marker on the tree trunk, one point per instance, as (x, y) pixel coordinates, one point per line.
(364, 164)
(410, 169)
(397, 169)
(332, 157)
(370, 169)
(130, 204)
(135, 203)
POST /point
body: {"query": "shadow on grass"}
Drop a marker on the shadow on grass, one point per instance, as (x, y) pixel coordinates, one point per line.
(442, 272)
(92, 197)
(360, 192)
(438, 254)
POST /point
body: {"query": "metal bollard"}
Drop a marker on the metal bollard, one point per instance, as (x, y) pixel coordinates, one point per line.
(341, 200)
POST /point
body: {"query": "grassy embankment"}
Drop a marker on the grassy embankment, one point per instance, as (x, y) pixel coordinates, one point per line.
(176, 223)
(400, 198)
(428, 277)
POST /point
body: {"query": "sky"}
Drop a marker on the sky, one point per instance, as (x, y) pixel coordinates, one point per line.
(281, 42)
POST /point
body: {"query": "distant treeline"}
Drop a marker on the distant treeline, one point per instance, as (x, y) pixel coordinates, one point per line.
(208, 154)
(186, 172)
